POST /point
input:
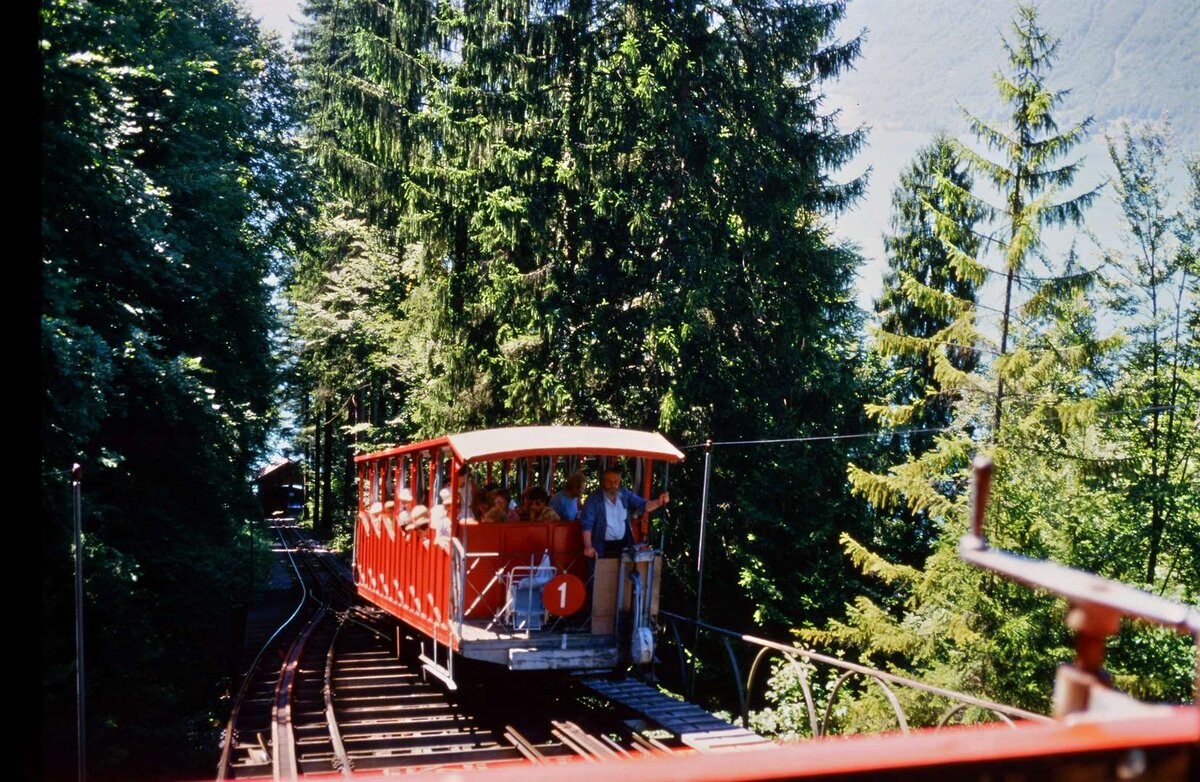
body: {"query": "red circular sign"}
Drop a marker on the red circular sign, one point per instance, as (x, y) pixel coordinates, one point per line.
(563, 595)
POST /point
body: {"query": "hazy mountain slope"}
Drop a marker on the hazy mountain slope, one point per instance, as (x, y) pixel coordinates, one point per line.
(1122, 59)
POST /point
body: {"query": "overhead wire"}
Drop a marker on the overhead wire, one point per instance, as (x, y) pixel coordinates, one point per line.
(901, 432)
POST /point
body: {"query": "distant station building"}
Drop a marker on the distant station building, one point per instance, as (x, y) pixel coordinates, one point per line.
(280, 488)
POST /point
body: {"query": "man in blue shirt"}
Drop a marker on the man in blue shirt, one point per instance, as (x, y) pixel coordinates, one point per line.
(566, 502)
(605, 517)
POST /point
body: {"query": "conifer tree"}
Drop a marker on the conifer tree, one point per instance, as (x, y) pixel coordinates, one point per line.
(1030, 178)
(946, 622)
(1030, 181)
(613, 214)
(1153, 390)
(919, 310)
(919, 269)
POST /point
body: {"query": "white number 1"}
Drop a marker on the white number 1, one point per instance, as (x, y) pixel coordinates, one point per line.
(562, 591)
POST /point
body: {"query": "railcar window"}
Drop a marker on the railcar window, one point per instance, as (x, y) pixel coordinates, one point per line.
(373, 482)
(389, 479)
(405, 478)
(443, 472)
(563, 467)
(421, 495)
(535, 471)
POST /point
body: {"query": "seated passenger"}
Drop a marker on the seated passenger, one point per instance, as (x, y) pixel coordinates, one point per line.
(537, 506)
(439, 521)
(523, 506)
(500, 510)
(566, 502)
(480, 503)
(418, 519)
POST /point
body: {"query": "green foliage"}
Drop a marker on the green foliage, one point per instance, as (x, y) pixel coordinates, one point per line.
(169, 188)
(924, 340)
(1090, 469)
(1151, 284)
(607, 214)
(1030, 179)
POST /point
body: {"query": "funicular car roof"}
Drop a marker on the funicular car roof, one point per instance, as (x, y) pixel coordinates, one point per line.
(515, 442)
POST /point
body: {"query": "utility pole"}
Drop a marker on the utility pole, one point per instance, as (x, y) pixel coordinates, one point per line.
(700, 559)
(81, 728)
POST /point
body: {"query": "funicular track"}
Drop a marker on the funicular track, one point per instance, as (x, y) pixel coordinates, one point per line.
(337, 688)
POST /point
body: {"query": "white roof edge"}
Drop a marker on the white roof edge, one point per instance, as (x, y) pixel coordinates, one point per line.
(510, 442)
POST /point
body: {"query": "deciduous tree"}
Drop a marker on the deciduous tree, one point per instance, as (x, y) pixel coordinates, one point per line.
(169, 189)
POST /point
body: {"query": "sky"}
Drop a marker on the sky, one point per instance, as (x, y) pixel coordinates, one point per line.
(273, 15)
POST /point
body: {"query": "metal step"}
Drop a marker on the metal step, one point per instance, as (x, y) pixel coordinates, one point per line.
(694, 726)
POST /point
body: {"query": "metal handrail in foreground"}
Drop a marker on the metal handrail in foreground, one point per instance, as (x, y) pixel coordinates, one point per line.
(1096, 608)
(820, 727)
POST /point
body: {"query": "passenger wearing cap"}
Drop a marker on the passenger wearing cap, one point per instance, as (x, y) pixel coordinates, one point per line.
(418, 518)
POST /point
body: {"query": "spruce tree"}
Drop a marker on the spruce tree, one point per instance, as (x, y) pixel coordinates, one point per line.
(918, 315)
(1153, 390)
(919, 269)
(1030, 178)
(614, 214)
(948, 623)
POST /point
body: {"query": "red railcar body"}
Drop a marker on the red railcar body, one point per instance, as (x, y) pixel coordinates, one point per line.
(418, 556)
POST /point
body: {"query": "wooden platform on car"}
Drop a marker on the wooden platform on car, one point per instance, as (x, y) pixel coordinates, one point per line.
(521, 650)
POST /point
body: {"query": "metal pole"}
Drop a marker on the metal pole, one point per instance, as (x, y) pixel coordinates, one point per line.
(250, 525)
(81, 729)
(700, 560)
(662, 531)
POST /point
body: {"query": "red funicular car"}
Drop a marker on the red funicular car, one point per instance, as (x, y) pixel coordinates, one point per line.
(516, 593)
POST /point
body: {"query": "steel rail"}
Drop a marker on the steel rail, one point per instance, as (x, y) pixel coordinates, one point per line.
(283, 724)
(299, 744)
(335, 735)
(224, 764)
(283, 741)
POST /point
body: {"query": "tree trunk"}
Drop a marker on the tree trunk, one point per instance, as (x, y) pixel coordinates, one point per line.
(325, 527)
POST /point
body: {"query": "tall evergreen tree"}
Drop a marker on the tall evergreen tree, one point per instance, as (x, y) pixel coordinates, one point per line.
(1153, 390)
(919, 269)
(1052, 494)
(1030, 177)
(613, 214)
(924, 299)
